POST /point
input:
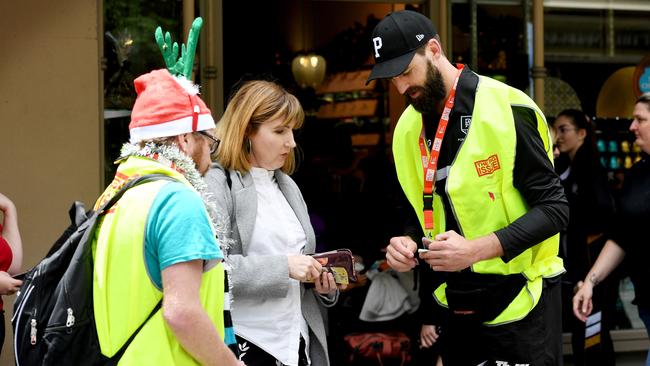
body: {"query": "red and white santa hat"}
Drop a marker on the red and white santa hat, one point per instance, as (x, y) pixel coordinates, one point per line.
(167, 106)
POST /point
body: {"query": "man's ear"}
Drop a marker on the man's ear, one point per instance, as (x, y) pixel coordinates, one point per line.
(434, 46)
(182, 141)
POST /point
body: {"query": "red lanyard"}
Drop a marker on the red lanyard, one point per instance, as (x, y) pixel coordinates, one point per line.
(430, 161)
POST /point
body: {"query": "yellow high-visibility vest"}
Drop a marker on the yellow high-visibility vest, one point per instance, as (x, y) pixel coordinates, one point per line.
(480, 188)
(123, 293)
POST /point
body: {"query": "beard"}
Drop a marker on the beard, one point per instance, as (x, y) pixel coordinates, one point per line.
(431, 94)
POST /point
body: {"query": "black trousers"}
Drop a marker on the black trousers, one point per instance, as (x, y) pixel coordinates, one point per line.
(535, 340)
(604, 300)
(252, 355)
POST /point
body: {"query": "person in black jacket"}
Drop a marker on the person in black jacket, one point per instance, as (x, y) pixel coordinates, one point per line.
(591, 207)
(629, 234)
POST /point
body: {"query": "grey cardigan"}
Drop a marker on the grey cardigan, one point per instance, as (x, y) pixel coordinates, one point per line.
(265, 276)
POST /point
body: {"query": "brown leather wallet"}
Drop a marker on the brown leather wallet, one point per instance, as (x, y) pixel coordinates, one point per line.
(340, 263)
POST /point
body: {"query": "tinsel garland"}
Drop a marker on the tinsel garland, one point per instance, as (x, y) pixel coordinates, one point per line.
(172, 156)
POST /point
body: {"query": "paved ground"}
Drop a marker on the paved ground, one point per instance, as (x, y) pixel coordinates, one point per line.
(624, 359)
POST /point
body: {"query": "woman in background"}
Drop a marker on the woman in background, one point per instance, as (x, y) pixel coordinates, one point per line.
(591, 208)
(278, 319)
(11, 255)
(629, 236)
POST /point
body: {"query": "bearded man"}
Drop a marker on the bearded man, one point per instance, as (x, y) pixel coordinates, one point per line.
(474, 160)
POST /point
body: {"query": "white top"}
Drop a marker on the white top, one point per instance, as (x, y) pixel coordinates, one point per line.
(273, 324)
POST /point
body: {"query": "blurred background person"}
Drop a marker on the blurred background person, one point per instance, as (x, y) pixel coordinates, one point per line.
(279, 319)
(629, 236)
(11, 255)
(591, 208)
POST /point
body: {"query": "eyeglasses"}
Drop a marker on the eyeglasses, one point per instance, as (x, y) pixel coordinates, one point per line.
(214, 142)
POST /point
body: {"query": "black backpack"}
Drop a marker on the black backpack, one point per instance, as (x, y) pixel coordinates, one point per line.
(53, 317)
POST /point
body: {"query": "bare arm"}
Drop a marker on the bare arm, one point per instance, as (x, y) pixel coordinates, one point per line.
(487, 247)
(610, 257)
(8, 284)
(11, 234)
(186, 317)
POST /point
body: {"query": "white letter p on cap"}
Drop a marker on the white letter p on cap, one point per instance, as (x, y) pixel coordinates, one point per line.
(377, 43)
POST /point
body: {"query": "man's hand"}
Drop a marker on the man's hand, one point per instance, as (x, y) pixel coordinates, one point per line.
(451, 252)
(582, 304)
(399, 253)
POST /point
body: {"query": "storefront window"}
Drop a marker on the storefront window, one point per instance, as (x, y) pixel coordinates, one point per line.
(584, 47)
(497, 47)
(595, 33)
(129, 51)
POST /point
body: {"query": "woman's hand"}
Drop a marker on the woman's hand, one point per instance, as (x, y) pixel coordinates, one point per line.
(8, 284)
(304, 268)
(325, 283)
(428, 336)
(582, 304)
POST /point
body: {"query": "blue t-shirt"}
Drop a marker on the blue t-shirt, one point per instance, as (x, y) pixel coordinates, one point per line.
(178, 230)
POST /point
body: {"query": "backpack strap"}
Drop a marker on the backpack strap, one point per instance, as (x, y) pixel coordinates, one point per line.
(132, 183)
(117, 356)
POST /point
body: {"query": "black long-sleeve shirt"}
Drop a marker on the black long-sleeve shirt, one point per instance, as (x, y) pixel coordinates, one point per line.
(630, 230)
(533, 176)
(591, 206)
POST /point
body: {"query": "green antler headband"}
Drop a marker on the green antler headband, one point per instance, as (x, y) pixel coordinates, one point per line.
(179, 66)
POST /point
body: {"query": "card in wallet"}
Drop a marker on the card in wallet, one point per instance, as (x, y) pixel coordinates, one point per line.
(339, 263)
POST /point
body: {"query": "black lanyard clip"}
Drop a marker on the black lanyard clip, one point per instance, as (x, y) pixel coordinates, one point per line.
(427, 199)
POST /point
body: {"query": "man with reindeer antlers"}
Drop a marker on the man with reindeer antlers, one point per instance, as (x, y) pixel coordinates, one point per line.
(157, 244)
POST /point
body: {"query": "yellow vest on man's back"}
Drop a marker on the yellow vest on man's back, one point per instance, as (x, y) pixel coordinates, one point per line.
(123, 294)
(480, 188)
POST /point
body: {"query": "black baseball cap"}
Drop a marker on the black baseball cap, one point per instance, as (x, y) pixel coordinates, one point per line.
(395, 40)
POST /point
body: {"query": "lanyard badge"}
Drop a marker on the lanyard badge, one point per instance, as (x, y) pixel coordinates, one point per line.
(430, 159)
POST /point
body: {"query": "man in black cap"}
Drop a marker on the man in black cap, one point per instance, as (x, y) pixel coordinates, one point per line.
(473, 157)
